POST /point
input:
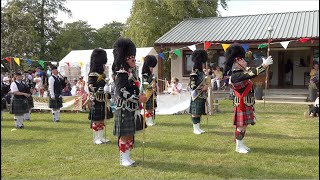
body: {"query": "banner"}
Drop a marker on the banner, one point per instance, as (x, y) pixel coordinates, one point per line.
(68, 103)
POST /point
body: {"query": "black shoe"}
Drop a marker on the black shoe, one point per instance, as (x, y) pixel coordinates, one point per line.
(27, 120)
(57, 120)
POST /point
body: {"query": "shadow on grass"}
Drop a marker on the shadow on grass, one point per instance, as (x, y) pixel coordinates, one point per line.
(189, 125)
(263, 135)
(22, 141)
(165, 146)
(211, 170)
(293, 152)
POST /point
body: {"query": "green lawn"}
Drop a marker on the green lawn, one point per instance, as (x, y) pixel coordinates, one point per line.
(285, 145)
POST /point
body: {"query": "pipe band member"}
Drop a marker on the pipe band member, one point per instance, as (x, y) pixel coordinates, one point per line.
(98, 98)
(19, 102)
(56, 84)
(127, 97)
(199, 86)
(243, 90)
(149, 87)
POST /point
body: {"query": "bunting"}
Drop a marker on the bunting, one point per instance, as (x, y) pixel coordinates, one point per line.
(304, 40)
(207, 45)
(261, 46)
(29, 62)
(41, 62)
(7, 59)
(285, 44)
(162, 56)
(17, 60)
(225, 46)
(245, 47)
(192, 47)
(177, 52)
(68, 64)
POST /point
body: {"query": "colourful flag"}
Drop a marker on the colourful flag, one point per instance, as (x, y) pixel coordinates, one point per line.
(192, 47)
(207, 45)
(29, 62)
(177, 52)
(245, 47)
(7, 59)
(261, 46)
(17, 60)
(285, 44)
(225, 46)
(162, 56)
(41, 62)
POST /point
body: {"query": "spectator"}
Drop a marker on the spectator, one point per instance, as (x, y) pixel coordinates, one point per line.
(66, 90)
(218, 76)
(39, 85)
(49, 71)
(314, 75)
(83, 94)
(81, 82)
(288, 71)
(315, 109)
(176, 87)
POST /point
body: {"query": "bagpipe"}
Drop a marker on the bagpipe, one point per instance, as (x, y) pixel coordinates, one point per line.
(197, 84)
(149, 88)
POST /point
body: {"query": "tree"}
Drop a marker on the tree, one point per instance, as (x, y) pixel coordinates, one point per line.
(108, 34)
(149, 20)
(73, 36)
(47, 27)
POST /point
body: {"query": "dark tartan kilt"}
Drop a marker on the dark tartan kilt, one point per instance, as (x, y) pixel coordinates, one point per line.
(19, 106)
(30, 102)
(149, 104)
(97, 112)
(3, 104)
(55, 103)
(197, 106)
(124, 123)
(243, 118)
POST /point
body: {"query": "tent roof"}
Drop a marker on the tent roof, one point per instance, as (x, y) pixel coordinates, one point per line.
(76, 56)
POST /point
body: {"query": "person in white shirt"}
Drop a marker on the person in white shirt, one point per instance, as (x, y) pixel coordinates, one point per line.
(315, 109)
(55, 89)
(39, 85)
(19, 105)
(176, 87)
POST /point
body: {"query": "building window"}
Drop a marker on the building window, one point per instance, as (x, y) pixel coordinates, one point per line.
(187, 63)
(316, 55)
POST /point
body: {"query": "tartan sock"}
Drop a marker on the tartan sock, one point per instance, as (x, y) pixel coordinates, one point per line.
(195, 120)
(239, 134)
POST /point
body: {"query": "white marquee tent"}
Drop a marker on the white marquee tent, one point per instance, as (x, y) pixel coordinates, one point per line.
(79, 61)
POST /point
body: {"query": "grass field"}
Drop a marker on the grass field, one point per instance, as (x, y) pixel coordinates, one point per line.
(285, 145)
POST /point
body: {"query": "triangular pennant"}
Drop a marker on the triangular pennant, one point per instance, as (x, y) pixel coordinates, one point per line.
(68, 64)
(192, 47)
(41, 62)
(207, 45)
(54, 63)
(245, 47)
(261, 46)
(29, 62)
(2, 66)
(225, 46)
(177, 52)
(285, 44)
(142, 59)
(303, 40)
(7, 59)
(81, 63)
(162, 56)
(17, 60)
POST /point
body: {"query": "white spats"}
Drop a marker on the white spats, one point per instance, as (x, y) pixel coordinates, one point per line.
(240, 147)
(196, 129)
(149, 121)
(202, 131)
(125, 159)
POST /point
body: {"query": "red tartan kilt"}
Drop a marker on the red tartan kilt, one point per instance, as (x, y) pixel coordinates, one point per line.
(243, 118)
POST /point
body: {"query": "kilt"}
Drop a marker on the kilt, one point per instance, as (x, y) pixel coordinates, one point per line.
(19, 106)
(198, 106)
(124, 126)
(149, 104)
(97, 112)
(30, 102)
(3, 104)
(242, 118)
(55, 103)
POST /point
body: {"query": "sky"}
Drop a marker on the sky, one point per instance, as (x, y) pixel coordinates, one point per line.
(99, 12)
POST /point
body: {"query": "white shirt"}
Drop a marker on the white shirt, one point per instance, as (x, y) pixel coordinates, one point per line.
(14, 87)
(38, 82)
(51, 86)
(316, 103)
(177, 87)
